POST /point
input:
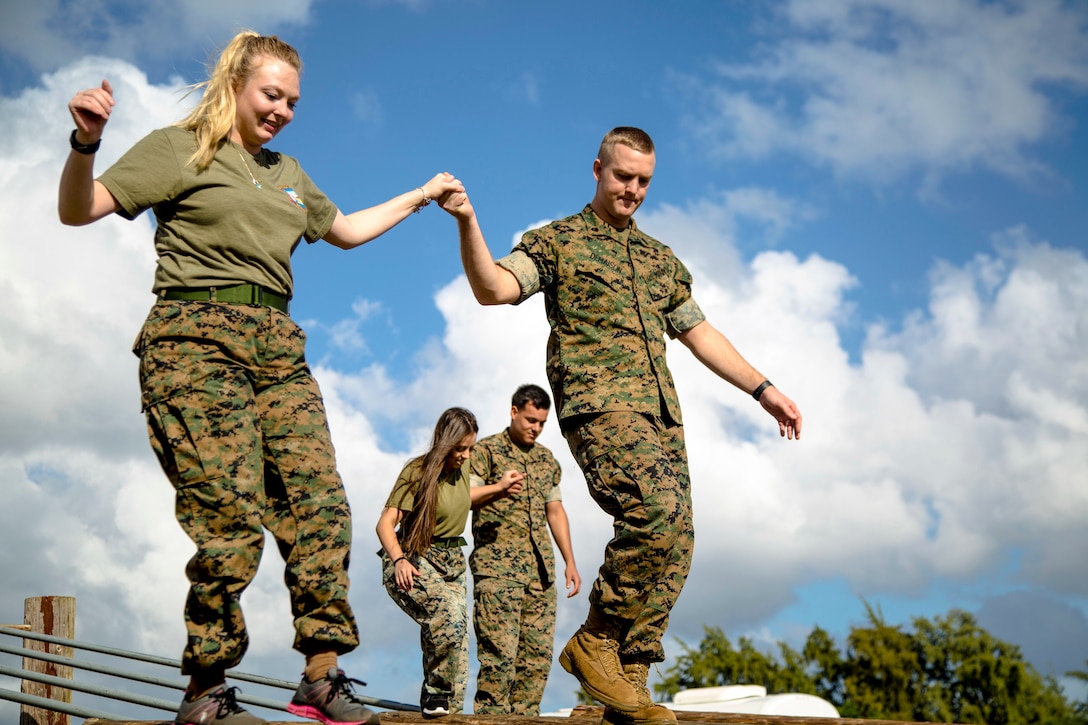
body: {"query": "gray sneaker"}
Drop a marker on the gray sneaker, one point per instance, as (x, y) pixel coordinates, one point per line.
(218, 707)
(332, 701)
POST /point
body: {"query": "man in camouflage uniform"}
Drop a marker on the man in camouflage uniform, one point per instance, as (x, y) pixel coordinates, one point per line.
(513, 567)
(611, 295)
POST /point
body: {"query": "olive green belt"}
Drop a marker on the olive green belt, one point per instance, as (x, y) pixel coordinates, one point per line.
(451, 542)
(246, 294)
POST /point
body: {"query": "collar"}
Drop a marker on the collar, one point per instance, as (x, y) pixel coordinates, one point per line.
(599, 226)
(515, 444)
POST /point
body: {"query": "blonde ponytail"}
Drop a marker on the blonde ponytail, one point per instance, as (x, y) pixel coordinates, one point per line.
(213, 118)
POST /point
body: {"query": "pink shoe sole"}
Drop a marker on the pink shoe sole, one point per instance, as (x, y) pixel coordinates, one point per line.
(314, 714)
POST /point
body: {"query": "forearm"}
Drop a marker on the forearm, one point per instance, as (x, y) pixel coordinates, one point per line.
(483, 495)
(79, 200)
(387, 535)
(358, 228)
(560, 528)
(490, 283)
(716, 352)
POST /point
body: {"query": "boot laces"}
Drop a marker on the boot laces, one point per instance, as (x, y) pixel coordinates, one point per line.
(228, 702)
(342, 686)
(638, 674)
(612, 661)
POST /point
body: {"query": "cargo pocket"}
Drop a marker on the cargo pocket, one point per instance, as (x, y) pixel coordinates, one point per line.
(181, 436)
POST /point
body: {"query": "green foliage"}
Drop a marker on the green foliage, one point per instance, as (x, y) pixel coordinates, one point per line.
(945, 670)
(1081, 708)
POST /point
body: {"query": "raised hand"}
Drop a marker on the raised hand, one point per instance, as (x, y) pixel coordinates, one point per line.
(91, 110)
(442, 185)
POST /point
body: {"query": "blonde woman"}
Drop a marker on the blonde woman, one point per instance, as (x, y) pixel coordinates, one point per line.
(233, 413)
(423, 566)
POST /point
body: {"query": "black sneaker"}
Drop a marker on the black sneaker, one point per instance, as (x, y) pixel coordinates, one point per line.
(217, 707)
(434, 704)
(332, 701)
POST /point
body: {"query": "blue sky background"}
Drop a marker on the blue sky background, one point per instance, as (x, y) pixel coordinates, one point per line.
(883, 205)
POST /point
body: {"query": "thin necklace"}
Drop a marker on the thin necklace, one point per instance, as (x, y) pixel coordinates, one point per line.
(243, 158)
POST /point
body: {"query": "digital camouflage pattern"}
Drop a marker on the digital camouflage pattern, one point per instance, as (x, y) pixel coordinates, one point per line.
(513, 569)
(239, 427)
(511, 538)
(611, 296)
(637, 472)
(515, 634)
(437, 604)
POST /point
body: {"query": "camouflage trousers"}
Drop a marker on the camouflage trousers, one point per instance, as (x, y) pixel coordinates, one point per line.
(515, 633)
(637, 472)
(437, 604)
(239, 427)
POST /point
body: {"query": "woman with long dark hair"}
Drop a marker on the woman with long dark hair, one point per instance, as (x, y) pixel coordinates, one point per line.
(423, 567)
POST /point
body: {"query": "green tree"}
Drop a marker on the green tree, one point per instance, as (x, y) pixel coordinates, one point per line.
(945, 670)
(1081, 708)
(824, 665)
(716, 662)
(882, 674)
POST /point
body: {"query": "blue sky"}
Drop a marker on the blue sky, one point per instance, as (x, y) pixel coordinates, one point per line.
(883, 205)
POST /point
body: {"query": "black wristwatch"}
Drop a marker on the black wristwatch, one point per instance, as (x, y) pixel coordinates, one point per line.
(83, 148)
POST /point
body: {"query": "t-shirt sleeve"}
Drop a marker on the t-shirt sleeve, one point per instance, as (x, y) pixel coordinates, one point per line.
(403, 494)
(144, 175)
(320, 211)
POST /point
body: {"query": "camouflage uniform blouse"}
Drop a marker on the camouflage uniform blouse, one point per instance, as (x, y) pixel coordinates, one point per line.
(611, 296)
(511, 538)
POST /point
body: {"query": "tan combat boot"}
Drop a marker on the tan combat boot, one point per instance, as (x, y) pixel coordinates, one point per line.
(594, 660)
(649, 712)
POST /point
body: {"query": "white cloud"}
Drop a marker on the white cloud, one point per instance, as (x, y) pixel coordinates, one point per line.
(367, 107)
(47, 33)
(879, 89)
(955, 440)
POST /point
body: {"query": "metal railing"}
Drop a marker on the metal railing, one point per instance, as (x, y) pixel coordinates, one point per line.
(121, 695)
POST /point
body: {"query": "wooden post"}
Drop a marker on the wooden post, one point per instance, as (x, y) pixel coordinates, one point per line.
(55, 616)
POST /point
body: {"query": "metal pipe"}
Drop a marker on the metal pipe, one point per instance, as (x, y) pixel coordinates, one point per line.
(94, 690)
(153, 659)
(46, 704)
(137, 677)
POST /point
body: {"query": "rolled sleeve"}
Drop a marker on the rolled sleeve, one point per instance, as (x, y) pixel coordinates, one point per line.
(684, 317)
(520, 265)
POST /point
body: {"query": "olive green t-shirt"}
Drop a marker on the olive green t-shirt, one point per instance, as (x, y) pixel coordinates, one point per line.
(217, 227)
(454, 499)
